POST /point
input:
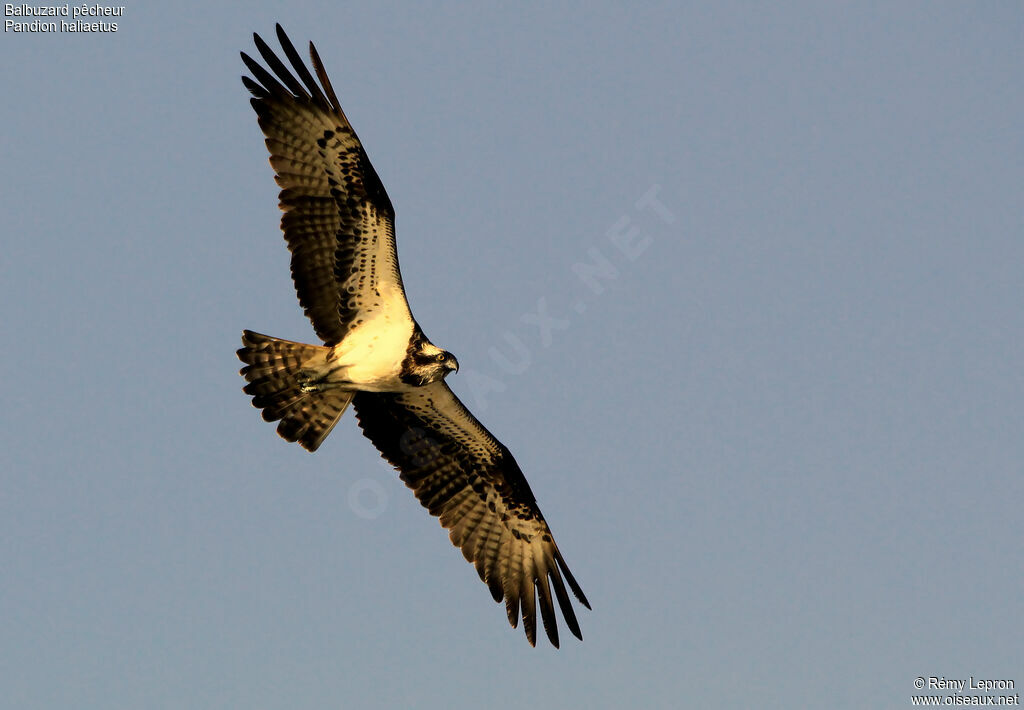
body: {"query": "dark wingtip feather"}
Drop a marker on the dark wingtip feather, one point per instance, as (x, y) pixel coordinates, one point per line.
(254, 88)
(300, 67)
(270, 84)
(497, 591)
(573, 584)
(547, 609)
(321, 73)
(512, 608)
(279, 68)
(568, 613)
(529, 609)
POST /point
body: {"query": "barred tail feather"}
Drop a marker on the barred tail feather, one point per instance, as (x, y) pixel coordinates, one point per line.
(281, 376)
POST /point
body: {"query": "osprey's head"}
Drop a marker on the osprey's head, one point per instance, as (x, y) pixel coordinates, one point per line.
(427, 363)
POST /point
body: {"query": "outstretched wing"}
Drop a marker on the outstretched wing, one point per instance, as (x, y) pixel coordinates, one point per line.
(467, 478)
(338, 220)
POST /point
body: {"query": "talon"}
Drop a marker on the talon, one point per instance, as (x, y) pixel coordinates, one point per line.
(307, 382)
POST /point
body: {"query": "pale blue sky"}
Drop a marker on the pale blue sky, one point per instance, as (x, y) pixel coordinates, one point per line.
(781, 447)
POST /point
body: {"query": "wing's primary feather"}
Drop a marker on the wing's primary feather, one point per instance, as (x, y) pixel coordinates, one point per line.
(467, 478)
(338, 220)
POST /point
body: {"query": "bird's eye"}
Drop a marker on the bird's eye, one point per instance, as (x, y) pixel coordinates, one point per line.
(440, 357)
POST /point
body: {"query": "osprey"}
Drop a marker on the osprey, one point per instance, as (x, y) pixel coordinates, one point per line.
(339, 225)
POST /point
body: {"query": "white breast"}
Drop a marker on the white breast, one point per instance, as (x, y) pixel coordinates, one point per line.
(370, 357)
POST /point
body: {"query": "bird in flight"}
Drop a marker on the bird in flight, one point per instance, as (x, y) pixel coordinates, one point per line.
(339, 225)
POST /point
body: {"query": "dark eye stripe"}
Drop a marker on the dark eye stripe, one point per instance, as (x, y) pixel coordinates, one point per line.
(424, 359)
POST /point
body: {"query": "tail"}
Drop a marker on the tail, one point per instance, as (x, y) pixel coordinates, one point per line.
(283, 381)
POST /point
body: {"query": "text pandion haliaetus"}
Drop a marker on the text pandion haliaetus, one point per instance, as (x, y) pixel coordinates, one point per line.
(339, 225)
